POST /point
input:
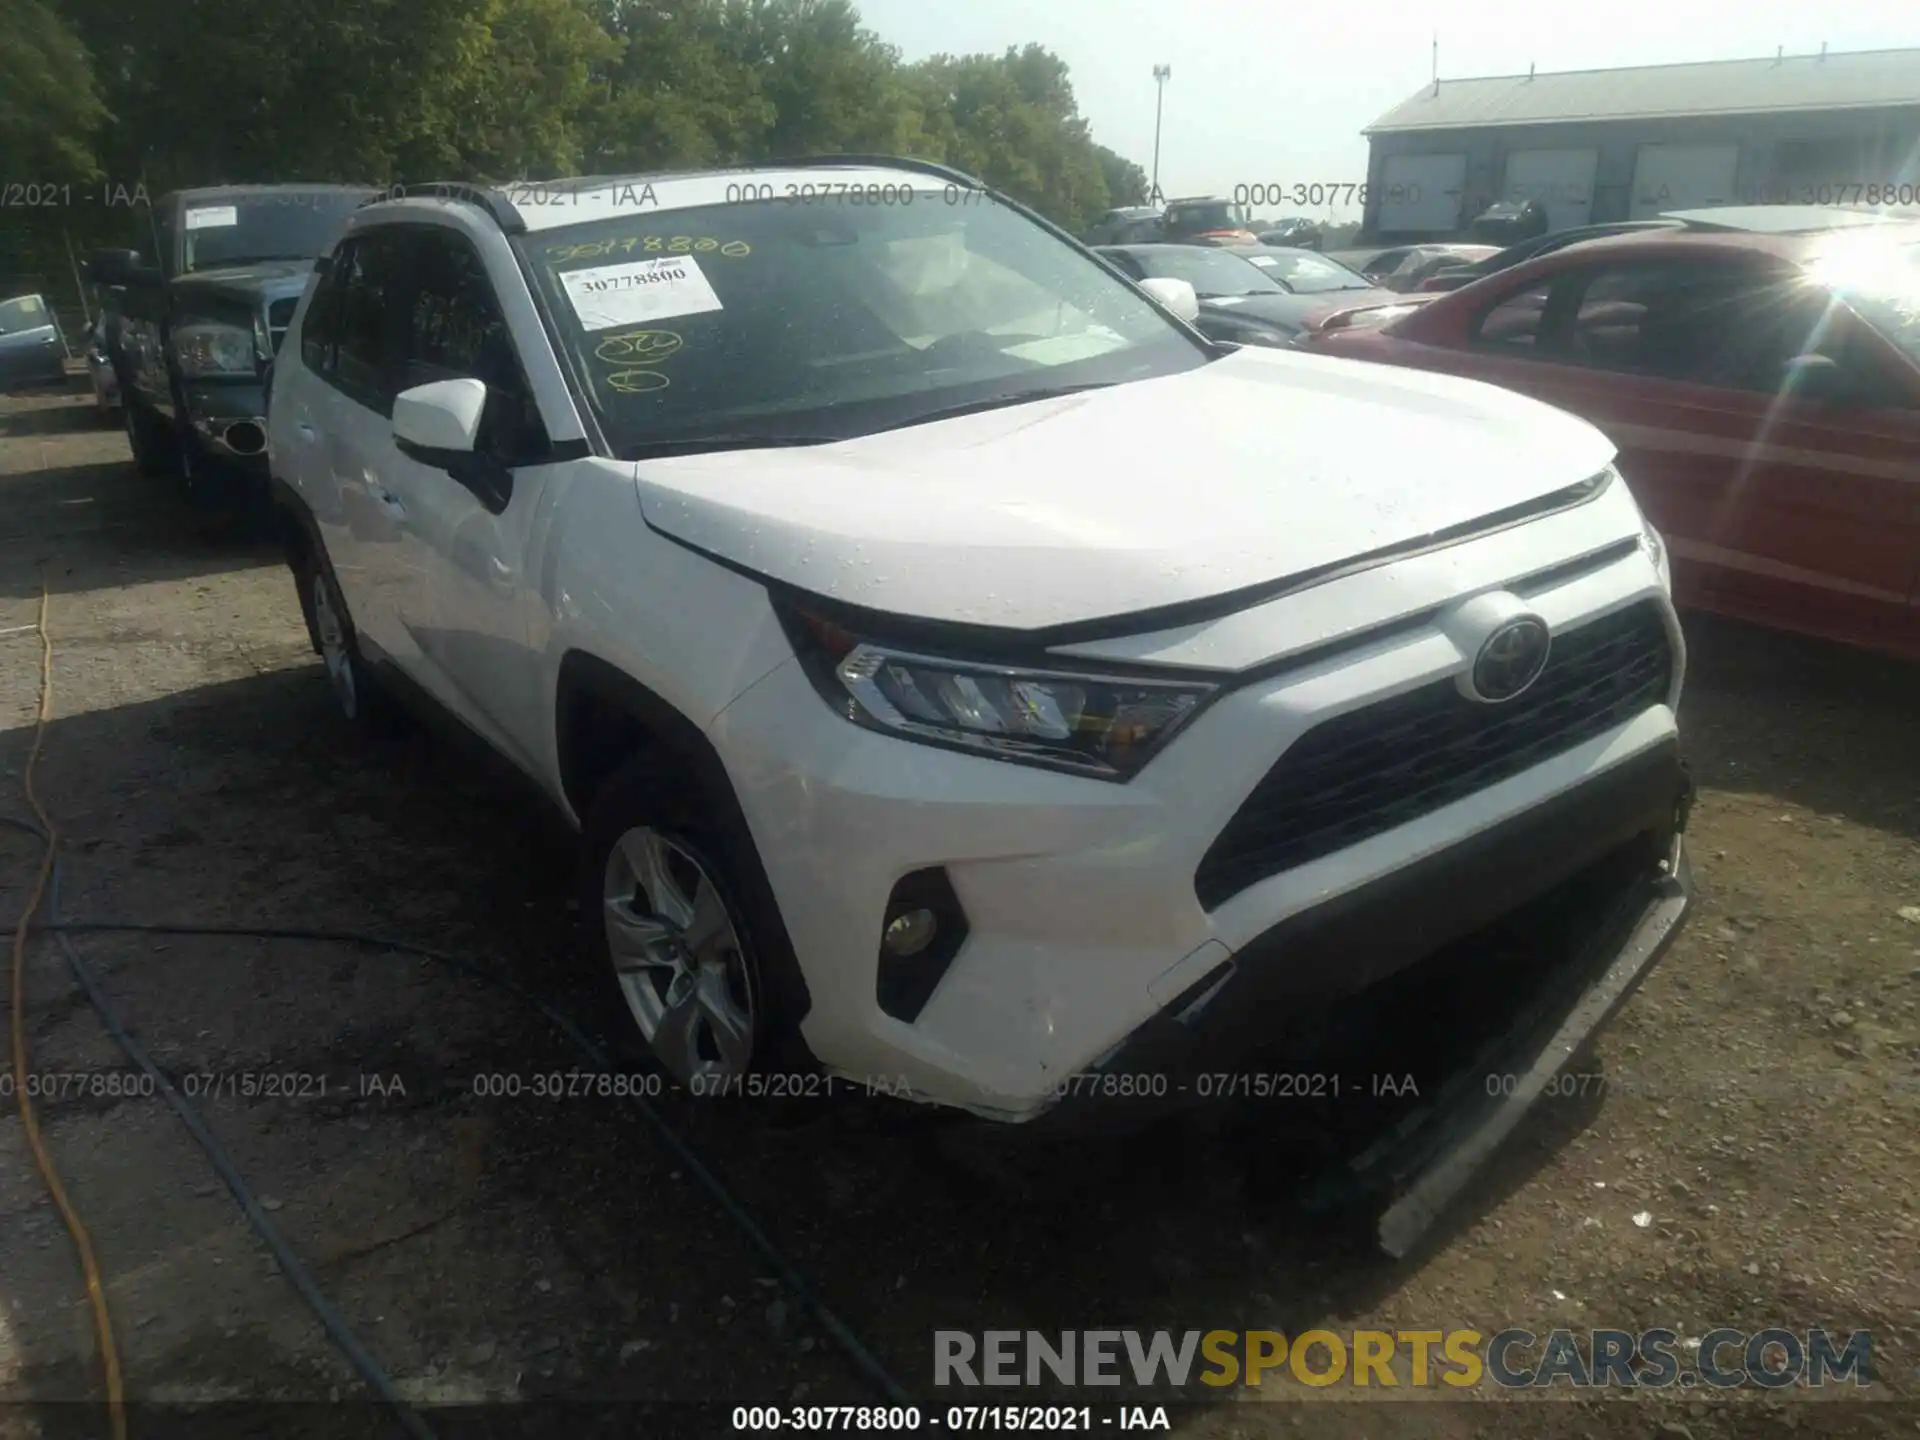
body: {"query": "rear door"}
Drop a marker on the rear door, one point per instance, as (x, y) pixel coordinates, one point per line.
(30, 344)
(352, 422)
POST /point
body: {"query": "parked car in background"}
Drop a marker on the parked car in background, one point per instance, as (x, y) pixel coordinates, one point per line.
(1322, 287)
(1299, 231)
(201, 320)
(100, 372)
(1206, 217)
(1508, 222)
(1452, 276)
(1239, 301)
(1764, 389)
(1129, 225)
(32, 349)
(1404, 267)
(964, 676)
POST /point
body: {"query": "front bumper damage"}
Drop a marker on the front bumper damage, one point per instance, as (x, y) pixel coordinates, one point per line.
(1511, 950)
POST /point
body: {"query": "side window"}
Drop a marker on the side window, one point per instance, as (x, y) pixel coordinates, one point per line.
(1772, 323)
(1703, 322)
(320, 331)
(455, 330)
(1513, 324)
(367, 343)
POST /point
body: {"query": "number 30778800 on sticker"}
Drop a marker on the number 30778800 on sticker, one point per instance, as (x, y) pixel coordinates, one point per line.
(639, 291)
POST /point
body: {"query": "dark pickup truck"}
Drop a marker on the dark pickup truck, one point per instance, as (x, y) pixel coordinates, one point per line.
(196, 329)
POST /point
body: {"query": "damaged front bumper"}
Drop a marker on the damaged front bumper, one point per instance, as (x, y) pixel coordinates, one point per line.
(1547, 923)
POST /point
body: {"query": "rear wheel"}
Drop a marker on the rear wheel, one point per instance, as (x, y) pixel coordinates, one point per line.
(358, 694)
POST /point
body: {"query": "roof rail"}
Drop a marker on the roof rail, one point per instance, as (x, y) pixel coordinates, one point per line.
(894, 162)
(487, 198)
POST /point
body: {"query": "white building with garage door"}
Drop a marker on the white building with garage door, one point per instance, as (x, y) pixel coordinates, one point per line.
(1599, 145)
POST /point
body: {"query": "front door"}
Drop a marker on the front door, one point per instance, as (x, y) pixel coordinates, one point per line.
(462, 607)
(1776, 506)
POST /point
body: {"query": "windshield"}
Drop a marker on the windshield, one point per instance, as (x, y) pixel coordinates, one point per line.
(1306, 273)
(834, 320)
(26, 312)
(1212, 273)
(286, 225)
(1209, 215)
(1881, 281)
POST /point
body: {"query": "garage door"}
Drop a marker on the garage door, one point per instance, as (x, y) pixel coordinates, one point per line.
(1562, 180)
(1422, 192)
(1682, 177)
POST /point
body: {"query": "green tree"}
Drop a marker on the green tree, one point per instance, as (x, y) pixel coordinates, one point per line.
(1012, 120)
(1127, 183)
(50, 103)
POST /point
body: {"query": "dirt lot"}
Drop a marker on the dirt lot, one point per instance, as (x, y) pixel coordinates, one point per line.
(1763, 1117)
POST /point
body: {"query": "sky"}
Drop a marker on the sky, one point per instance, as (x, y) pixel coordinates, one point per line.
(1266, 92)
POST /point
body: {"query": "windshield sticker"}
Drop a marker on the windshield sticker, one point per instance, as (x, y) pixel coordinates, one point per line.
(213, 217)
(643, 290)
(649, 245)
(645, 347)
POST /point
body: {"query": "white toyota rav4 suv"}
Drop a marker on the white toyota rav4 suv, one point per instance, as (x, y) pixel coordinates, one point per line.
(962, 672)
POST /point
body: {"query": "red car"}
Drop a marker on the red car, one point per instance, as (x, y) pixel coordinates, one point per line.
(1762, 384)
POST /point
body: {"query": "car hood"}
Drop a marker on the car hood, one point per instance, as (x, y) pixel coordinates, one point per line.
(1258, 466)
(272, 280)
(1299, 312)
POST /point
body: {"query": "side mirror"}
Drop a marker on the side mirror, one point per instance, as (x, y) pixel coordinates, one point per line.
(439, 425)
(1813, 376)
(442, 419)
(116, 267)
(1177, 295)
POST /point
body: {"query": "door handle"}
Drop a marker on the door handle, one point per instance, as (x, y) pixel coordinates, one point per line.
(390, 502)
(307, 432)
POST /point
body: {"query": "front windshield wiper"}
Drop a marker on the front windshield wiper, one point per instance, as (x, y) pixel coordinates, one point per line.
(701, 444)
(997, 402)
(224, 264)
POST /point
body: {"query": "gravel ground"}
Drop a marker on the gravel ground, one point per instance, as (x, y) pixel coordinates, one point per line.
(1759, 1117)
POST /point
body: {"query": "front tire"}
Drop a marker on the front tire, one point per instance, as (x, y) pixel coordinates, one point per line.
(703, 972)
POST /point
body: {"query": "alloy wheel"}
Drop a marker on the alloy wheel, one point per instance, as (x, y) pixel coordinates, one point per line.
(678, 958)
(333, 647)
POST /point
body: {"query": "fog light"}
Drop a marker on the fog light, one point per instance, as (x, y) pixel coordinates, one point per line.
(910, 933)
(922, 929)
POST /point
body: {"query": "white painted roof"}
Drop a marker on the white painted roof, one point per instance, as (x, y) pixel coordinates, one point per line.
(550, 204)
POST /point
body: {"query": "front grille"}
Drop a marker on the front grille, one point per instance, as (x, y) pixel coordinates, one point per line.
(279, 317)
(1363, 773)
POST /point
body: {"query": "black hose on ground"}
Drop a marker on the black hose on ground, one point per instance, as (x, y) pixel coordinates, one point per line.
(863, 1359)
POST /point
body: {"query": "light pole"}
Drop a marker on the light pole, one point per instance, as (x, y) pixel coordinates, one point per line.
(1161, 74)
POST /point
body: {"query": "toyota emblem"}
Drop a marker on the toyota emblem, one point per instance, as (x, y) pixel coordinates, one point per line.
(1511, 660)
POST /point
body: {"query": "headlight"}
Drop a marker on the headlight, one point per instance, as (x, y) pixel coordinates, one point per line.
(1099, 725)
(210, 347)
(1656, 549)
